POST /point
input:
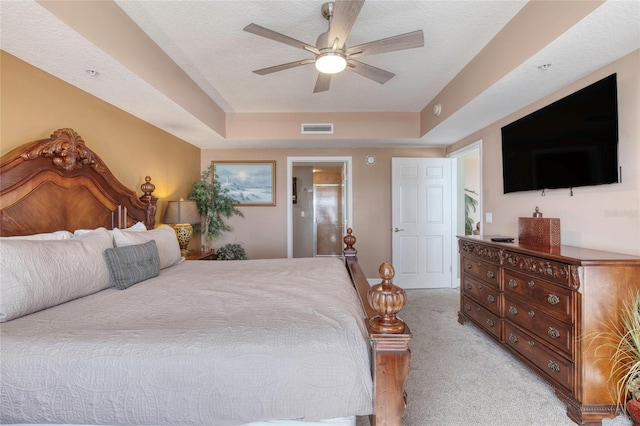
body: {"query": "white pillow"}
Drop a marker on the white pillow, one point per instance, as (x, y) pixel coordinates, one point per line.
(164, 236)
(56, 235)
(40, 274)
(138, 226)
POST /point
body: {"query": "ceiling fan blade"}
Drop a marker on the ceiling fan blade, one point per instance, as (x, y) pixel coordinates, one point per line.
(369, 71)
(345, 13)
(399, 42)
(323, 83)
(276, 36)
(283, 67)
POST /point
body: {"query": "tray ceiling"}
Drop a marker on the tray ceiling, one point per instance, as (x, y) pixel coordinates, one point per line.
(206, 42)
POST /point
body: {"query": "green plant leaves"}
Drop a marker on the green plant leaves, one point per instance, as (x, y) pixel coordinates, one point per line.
(214, 203)
(469, 203)
(231, 251)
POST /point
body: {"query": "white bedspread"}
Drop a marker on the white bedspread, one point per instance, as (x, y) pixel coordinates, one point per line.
(206, 342)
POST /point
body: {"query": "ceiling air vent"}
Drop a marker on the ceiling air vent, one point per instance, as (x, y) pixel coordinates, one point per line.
(317, 128)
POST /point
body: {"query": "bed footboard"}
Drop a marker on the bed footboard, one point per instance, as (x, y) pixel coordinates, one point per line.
(388, 334)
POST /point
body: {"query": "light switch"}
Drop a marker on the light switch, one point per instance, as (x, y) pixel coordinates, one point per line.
(302, 213)
(488, 217)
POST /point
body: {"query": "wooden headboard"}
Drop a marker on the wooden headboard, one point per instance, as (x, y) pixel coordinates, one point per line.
(60, 184)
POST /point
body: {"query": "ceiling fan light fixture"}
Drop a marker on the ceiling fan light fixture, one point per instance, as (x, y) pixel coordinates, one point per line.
(331, 62)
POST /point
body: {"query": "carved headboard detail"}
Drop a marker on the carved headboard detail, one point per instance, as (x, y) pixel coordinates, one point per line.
(58, 183)
(67, 150)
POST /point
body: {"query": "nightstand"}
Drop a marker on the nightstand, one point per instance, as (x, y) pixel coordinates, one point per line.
(202, 255)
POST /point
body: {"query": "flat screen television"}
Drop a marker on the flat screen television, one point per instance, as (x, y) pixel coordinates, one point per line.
(570, 143)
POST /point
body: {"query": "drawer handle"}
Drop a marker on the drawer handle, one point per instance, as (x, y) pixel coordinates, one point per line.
(513, 283)
(553, 366)
(553, 299)
(490, 274)
(478, 309)
(490, 322)
(532, 343)
(469, 286)
(513, 338)
(553, 332)
(532, 314)
(469, 265)
(531, 284)
(490, 298)
(513, 310)
(467, 306)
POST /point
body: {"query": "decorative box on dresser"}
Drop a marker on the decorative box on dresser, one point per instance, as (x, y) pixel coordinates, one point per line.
(546, 305)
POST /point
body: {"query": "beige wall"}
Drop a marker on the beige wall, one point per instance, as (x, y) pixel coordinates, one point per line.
(347, 125)
(263, 230)
(605, 217)
(35, 103)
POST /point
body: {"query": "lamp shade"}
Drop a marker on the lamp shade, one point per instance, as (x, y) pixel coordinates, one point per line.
(181, 212)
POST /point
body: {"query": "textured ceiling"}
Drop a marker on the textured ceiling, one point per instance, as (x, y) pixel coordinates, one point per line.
(217, 51)
(205, 39)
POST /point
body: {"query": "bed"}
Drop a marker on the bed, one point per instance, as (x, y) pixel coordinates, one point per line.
(86, 338)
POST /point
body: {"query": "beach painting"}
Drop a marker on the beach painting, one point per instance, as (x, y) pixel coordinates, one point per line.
(250, 183)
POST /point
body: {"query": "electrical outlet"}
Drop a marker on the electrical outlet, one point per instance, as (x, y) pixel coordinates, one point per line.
(488, 217)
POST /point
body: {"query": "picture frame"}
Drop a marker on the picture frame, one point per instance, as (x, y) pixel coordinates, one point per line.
(249, 183)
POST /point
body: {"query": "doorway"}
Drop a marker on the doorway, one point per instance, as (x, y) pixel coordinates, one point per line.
(319, 205)
(467, 200)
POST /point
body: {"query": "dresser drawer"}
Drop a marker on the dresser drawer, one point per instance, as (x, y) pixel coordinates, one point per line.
(481, 315)
(550, 298)
(548, 328)
(552, 364)
(550, 270)
(483, 293)
(481, 269)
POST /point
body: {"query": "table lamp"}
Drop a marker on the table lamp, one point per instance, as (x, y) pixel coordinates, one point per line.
(182, 214)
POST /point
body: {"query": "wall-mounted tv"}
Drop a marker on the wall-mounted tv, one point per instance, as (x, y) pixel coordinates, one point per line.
(570, 143)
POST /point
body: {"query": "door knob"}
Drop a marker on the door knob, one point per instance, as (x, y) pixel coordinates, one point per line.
(398, 229)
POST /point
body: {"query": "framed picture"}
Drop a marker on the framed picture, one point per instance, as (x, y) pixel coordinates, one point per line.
(250, 183)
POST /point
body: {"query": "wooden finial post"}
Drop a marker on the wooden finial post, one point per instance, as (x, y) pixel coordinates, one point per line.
(387, 300)
(151, 202)
(147, 187)
(349, 241)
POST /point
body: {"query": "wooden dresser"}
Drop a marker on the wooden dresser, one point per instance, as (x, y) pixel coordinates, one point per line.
(545, 305)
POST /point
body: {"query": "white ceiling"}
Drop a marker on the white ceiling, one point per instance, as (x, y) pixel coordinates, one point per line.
(206, 40)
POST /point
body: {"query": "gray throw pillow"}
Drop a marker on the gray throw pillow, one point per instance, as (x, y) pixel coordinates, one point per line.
(132, 264)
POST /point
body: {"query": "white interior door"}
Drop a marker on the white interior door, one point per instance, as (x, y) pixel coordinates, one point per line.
(421, 222)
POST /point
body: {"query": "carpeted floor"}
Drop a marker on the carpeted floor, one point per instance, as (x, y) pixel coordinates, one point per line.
(459, 376)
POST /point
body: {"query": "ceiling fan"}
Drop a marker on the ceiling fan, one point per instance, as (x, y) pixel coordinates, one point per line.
(331, 54)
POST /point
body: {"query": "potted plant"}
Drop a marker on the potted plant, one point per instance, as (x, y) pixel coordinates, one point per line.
(214, 203)
(623, 339)
(231, 251)
(469, 204)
